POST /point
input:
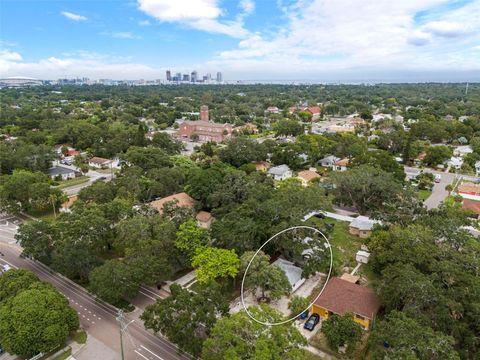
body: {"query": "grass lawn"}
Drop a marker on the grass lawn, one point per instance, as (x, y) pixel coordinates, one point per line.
(80, 337)
(72, 182)
(424, 194)
(47, 215)
(344, 245)
(106, 171)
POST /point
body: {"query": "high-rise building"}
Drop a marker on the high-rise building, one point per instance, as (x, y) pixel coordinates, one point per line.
(194, 76)
(204, 113)
(219, 77)
(169, 75)
(186, 77)
(209, 76)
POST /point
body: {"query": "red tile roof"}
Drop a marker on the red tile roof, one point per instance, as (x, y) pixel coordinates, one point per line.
(471, 205)
(183, 199)
(469, 188)
(341, 297)
(308, 175)
(203, 216)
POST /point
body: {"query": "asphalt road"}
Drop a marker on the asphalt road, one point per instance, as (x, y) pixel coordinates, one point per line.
(93, 176)
(97, 318)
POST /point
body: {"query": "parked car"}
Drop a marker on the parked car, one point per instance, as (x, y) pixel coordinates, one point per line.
(6, 267)
(312, 321)
(438, 178)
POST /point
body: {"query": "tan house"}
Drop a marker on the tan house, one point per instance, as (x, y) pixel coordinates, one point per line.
(204, 219)
(262, 166)
(344, 297)
(100, 163)
(306, 176)
(182, 199)
(362, 227)
(341, 165)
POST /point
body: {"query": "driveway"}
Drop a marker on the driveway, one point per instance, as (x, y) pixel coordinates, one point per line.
(438, 192)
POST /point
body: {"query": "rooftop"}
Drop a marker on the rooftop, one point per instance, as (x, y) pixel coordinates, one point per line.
(308, 175)
(182, 199)
(203, 216)
(342, 296)
(99, 160)
(279, 170)
(363, 223)
(294, 273)
(59, 170)
(469, 188)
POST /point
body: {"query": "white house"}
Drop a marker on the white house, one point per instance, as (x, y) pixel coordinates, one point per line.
(102, 163)
(294, 273)
(61, 172)
(362, 256)
(329, 161)
(341, 165)
(455, 162)
(477, 168)
(462, 150)
(280, 172)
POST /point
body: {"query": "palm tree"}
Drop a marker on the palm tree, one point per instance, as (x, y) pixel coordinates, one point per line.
(53, 198)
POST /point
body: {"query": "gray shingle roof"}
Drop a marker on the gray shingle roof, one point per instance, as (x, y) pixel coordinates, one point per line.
(59, 170)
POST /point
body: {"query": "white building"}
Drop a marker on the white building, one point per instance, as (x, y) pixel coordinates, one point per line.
(362, 256)
(61, 172)
(462, 150)
(280, 172)
(294, 273)
(455, 162)
(329, 161)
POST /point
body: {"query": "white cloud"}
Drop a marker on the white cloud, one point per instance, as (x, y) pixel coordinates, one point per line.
(73, 16)
(199, 14)
(336, 35)
(446, 29)
(7, 55)
(121, 35)
(248, 6)
(144, 23)
(80, 63)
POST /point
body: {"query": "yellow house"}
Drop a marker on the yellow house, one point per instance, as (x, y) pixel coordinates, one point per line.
(344, 297)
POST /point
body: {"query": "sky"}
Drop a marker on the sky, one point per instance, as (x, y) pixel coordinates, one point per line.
(251, 40)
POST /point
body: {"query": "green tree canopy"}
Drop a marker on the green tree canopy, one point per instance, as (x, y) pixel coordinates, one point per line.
(35, 319)
(341, 331)
(212, 263)
(240, 337)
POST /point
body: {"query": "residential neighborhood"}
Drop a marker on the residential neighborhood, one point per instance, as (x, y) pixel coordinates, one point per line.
(350, 228)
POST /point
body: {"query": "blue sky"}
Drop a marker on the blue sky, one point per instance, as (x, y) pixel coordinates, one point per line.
(320, 40)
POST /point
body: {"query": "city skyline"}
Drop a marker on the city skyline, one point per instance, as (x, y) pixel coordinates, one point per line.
(304, 41)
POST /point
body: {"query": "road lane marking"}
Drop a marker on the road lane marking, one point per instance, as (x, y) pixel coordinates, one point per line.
(151, 352)
(5, 261)
(143, 356)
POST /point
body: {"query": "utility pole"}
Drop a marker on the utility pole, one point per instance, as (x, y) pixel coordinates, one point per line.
(123, 328)
(121, 322)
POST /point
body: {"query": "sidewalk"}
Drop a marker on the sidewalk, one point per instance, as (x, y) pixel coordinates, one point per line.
(93, 349)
